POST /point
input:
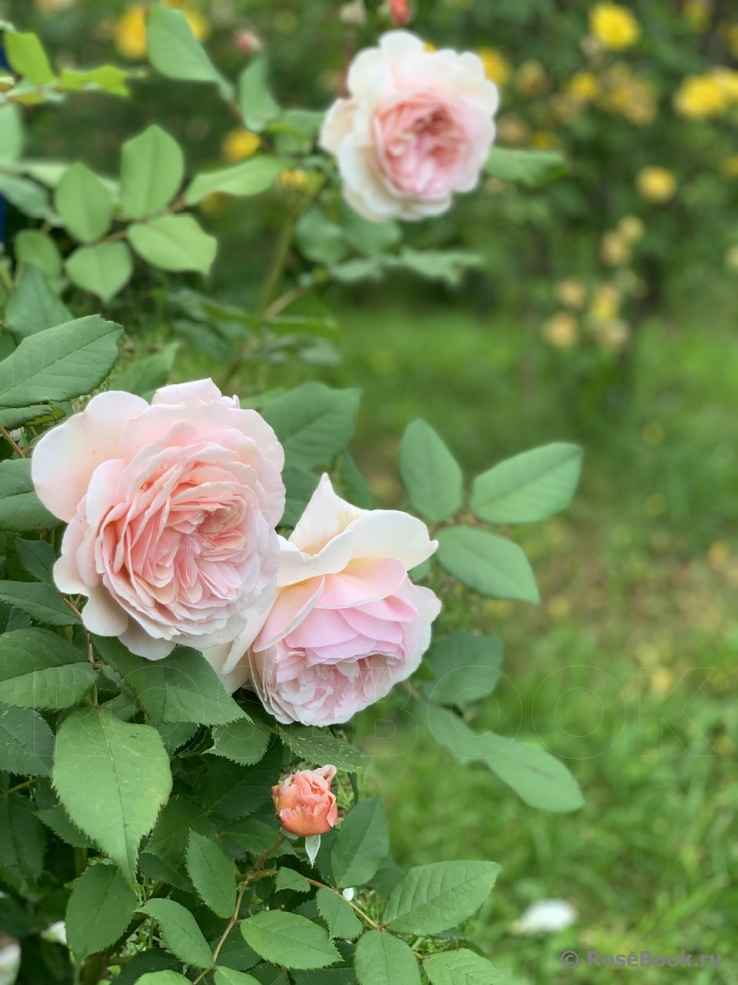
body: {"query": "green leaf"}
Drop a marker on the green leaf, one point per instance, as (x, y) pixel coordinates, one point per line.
(436, 897)
(465, 667)
(146, 375)
(430, 473)
(248, 178)
(361, 844)
(300, 484)
(37, 557)
(528, 487)
(242, 742)
(487, 563)
(227, 976)
(28, 197)
(532, 168)
(106, 78)
(27, 57)
(382, 959)
(212, 874)
(318, 746)
(180, 931)
(56, 819)
(26, 742)
(11, 132)
(536, 776)
(39, 669)
(40, 250)
(113, 778)
(182, 687)
(289, 940)
(99, 910)
(232, 791)
(174, 242)
(313, 422)
(319, 239)
(33, 306)
(59, 363)
(366, 237)
(290, 879)
(102, 269)
(445, 265)
(172, 833)
(165, 977)
(462, 967)
(147, 964)
(42, 603)
(84, 203)
(175, 51)
(256, 101)
(22, 841)
(20, 508)
(341, 919)
(152, 169)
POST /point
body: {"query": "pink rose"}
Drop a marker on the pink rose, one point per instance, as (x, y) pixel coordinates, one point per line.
(417, 127)
(172, 510)
(346, 624)
(304, 802)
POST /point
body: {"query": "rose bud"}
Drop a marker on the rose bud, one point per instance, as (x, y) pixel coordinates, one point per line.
(304, 802)
(249, 43)
(400, 11)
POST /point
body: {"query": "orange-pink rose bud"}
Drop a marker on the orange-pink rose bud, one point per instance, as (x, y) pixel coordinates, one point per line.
(400, 11)
(304, 802)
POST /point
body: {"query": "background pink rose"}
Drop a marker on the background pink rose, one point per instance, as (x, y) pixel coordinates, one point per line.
(172, 510)
(347, 623)
(305, 803)
(417, 127)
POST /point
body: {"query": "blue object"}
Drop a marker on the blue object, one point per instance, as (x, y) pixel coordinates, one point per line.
(3, 59)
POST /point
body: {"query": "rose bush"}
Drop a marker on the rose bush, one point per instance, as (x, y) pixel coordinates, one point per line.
(416, 128)
(172, 511)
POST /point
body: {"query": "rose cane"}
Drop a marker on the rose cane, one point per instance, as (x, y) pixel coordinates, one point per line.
(305, 803)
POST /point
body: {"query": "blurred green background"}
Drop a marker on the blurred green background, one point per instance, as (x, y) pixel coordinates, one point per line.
(603, 312)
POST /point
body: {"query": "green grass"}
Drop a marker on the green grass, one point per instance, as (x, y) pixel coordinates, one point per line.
(638, 582)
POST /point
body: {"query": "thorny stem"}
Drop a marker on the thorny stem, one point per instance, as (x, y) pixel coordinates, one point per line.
(365, 916)
(8, 437)
(258, 865)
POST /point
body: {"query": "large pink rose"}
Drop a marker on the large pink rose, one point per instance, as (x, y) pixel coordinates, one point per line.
(346, 624)
(417, 127)
(172, 510)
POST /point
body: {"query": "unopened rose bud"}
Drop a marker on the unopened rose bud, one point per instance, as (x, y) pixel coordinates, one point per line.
(400, 11)
(304, 802)
(249, 43)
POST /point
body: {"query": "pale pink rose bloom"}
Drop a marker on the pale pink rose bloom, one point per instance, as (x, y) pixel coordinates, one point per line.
(305, 803)
(417, 127)
(346, 624)
(172, 509)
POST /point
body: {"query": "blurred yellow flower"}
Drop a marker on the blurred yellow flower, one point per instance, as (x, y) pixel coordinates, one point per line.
(240, 144)
(605, 304)
(531, 79)
(731, 36)
(214, 204)
(657, 184)
(726, 80)
(631, 228)
(584, 86)
(731, 259)
(614, 249)
(614, 26)
(513, 130)
(633, 98)
(561, 331)
(130, 28)
(496, 66)
(698, 13)
(730, 166)
(700, 97)
(543, 140)
(571, 292)
(614, 334)
(298, 180)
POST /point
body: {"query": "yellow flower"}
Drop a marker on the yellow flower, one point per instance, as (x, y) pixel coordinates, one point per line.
(726, 80)
(496, 66)
(240, 144)
(730, 166)
(605, 304)
(631, 228)
(614, 26)
(513, 130)
(633, 98)
(614, 335)
(297, 180)
(531, 79)
(130, 28)
(584, 86)
(657, 184)
(571, 292)
(561, 331)
(698, 13)
(699, 97)
(614, 249)
(543, 140)
(214, 204)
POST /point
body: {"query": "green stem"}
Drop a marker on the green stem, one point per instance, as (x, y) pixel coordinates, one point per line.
(362, 914)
